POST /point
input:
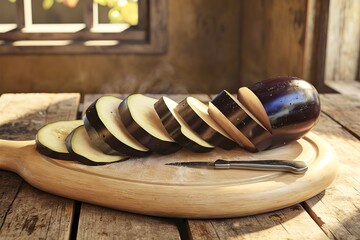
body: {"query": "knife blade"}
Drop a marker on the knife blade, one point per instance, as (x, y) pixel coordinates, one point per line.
(296, 167)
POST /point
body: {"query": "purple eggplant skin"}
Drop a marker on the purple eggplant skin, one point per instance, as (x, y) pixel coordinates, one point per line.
(173, 127)
(50, 153)
(199, 126)
(292, 105)
(102, 137)
(251, 129)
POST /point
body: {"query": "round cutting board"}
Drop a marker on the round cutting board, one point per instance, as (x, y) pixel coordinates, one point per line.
(148, 186)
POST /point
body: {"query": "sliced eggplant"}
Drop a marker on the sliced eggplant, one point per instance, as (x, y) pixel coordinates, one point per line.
(81, 148)
(106, 130)
(178, 129)
(240, 124)
(195, 114)
(50, 139)
(292, 106)
(138, 115)
(252, 103)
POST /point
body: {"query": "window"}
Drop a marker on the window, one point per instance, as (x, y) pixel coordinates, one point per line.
(83, 26)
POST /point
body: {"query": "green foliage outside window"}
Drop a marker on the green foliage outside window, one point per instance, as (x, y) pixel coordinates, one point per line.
(120, 11)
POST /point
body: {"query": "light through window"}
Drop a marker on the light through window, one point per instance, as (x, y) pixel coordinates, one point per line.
(76, 26)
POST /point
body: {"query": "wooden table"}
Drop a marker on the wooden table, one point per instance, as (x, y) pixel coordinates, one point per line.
(27, 213)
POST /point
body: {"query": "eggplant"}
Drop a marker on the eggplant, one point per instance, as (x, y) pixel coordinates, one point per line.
(138, 115)
(292, 106)
(239, 123)
(195, 114)
(50, 139)
(178, 129)
(82, 150)
(107, 132)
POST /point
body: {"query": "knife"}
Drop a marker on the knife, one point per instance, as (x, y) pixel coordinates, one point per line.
(296, 167)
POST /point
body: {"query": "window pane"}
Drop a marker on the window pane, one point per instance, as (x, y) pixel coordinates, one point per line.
(7, 11)
(118, 11)
(52, 11)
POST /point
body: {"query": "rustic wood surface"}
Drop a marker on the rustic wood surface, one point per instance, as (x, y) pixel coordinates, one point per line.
(26, 212)
(103, 223)
(337, 210)
(334, 214)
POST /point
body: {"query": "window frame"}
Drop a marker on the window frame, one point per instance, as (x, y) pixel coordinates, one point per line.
(149, 36)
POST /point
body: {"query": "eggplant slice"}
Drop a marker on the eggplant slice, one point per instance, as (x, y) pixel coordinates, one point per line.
(81, 148)
(239, 123)
(138, 115)
(195, 114)
(253, 104)
(178, 129)
(50, 139)
(107, 132)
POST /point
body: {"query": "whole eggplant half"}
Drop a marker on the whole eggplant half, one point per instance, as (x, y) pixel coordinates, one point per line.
(292, 105)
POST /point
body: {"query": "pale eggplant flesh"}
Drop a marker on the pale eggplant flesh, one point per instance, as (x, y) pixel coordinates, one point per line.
(138, 115)
(82, 150)
(178, 129)
(228, 112)
(292, 105)
(50, 139)
(195, 114)
(106, 130)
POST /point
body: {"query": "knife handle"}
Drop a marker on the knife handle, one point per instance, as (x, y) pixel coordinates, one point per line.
(297, 167)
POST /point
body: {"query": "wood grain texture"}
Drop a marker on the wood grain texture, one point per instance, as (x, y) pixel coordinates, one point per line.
(344, 110)
(102, 223)
(349, 88)
(37, 215)
(337, 209)
(272, 39)
(315, 43)
(24, 211)
(154, 188)
(289, 223)
(343, 51)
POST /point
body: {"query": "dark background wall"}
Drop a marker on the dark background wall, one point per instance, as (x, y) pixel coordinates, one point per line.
(212, 45)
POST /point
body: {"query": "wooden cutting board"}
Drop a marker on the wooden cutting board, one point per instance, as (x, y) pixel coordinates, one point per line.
(148, 186)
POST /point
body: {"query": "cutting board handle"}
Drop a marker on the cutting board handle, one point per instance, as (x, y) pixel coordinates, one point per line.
(12, 153)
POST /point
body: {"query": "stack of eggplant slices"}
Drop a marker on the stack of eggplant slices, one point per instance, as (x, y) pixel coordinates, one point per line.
(266, 115)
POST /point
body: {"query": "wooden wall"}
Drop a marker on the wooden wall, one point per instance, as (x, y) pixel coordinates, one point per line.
(273, 38)
(212, 45)
(343, 43)
(202, 56)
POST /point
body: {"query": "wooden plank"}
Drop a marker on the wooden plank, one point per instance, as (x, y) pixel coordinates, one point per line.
(342, 54)
(272, 42)
(290, 223)
(337, 209)
(103, 223)
(26, 212)
(344, 110)
(348, 88)
(10, 184)
(315, 43)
